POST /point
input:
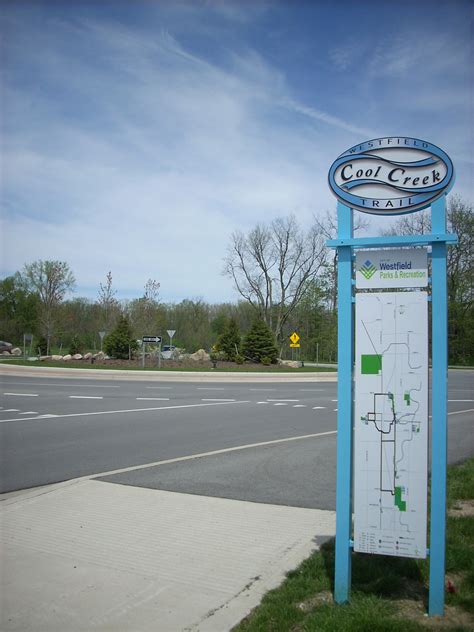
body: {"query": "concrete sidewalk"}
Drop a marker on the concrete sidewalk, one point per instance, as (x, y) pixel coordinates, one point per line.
(91, 555)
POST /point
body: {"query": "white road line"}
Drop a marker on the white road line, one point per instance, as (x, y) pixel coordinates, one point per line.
(29, 412)
(217, 400)
(263, 389)
(44, 416)
(299, 406)
(68, 384)
(22, 394)
(460, 400)
(85, 397)
(281, 404)
(283, 400)
(10, 410)
(154, 399)
(210, 388)
(201, 455)
(335, 410)
(129, 410)
(334, 400)
(318, 407)
(311, 390)
(459, 412)
(167, 388)
(262, 402)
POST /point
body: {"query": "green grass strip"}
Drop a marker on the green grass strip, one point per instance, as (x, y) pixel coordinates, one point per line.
(388, 593)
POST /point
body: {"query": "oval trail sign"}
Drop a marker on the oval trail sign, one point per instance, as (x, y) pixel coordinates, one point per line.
(391, 176)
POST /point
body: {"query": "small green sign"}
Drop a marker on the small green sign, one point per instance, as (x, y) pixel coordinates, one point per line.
(371, 364)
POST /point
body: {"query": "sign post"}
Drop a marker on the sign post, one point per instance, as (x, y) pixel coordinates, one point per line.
(383, 430)
(151, 339)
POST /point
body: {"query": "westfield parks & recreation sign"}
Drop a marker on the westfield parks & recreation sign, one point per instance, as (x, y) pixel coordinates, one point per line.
(383, 380)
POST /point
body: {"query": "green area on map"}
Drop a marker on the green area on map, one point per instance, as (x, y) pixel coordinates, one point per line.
(401, 504)
(371, 364)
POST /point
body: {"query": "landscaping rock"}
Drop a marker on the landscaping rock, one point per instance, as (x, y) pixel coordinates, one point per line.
(292, 364)
(67, 357)
(56, 358)
(6, 353)
(200, 356)
(77, 356)
(45, 357)
(17, 351)
(87, 356)
(99, 356)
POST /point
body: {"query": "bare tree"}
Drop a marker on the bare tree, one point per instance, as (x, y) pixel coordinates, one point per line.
(328, 229)
(271, 266)
(50, 280)
(107, 301)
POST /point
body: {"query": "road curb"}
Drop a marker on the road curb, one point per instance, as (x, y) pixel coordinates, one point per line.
(165, 376)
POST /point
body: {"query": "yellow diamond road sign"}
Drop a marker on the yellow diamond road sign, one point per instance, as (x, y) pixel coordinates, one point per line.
(294, 337)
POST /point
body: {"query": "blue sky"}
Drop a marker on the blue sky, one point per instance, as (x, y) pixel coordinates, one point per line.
(137, 136)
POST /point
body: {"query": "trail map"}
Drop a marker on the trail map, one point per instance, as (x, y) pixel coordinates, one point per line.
(391, 423)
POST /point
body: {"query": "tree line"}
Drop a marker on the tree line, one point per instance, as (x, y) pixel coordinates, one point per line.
(285, 277)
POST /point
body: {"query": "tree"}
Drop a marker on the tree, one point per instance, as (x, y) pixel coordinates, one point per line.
(229, 341)
(18, 310)
(143, 311)
(271, 265)
(460, 272)
(120, 342)
(328, 229)
(107, 302)
(50, 280)
(259, 342)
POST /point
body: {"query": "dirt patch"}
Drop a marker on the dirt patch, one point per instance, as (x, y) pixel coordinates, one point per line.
(407, 609)
(183, 365)
(320, 599)
(462, 509)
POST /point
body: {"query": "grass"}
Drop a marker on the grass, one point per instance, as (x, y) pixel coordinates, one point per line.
(199, 368)
(388, 593)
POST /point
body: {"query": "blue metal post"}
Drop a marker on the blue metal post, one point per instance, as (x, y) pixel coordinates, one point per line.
(439, 412)
(345, 321)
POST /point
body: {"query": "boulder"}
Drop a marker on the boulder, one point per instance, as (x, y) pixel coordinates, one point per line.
(45, 357)
(17, 351)
(56, 357)
(77, 356)
(67, 357)
(99, 356)
(291, 364)
(87, 356)
(200, 356)
(6, 353)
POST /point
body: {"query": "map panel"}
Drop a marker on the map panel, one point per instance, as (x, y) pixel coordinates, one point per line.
(391, 423)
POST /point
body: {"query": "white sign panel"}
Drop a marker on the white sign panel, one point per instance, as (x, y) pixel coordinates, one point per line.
(391, 268)
(391, 424)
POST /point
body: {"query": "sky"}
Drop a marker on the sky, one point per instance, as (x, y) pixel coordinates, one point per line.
(138, 136)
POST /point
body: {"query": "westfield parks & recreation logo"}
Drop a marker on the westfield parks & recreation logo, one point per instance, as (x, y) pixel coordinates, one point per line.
(367, 269)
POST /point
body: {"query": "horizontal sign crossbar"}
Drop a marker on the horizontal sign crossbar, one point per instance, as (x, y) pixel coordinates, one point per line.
(404, 240)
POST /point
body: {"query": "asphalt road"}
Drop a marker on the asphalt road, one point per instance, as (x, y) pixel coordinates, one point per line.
(54, 429)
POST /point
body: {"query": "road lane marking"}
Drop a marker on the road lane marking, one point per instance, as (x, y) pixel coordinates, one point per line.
(201, 455)
(66, 383)
(335, 410)
(22, 394)
(153, 399)
(263, 389)
(460, 400)
(262, 402)
(283, 400)
(299, 406)
(318, 407)
(281, 404)
(85, 397)
(45, 416)
(29, 412)
(334, 400)
(458, 412)
(215, 399)
(167, 388)
(10, 410)
(210, 388)
(129, 410)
